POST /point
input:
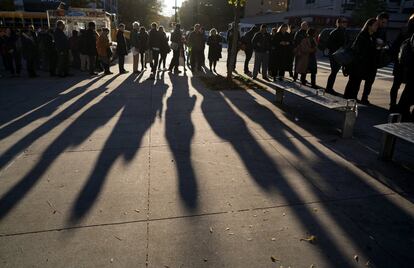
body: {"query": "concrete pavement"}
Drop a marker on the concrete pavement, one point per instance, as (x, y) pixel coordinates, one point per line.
(121, 171)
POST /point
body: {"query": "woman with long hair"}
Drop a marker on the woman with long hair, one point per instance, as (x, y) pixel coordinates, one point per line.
(214, 51)
(364, 64)
(164, 49)
(284, 51)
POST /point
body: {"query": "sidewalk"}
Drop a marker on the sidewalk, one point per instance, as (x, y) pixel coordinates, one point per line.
(122, 171)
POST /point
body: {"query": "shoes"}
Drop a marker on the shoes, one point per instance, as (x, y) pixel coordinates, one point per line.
(254, 77)
(266, 78)
(137, 72)
(93, 73)
(123, 72)
(108, 73)
(332, 92)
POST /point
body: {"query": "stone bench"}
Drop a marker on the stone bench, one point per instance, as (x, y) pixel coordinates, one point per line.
(349, 108)
(392, 130)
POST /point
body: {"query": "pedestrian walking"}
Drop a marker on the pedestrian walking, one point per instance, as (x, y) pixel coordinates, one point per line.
(135, 35)
(155, 44)
(103, 47)
(143, 46)
(29, 49)
(247, 46)
(284, 51)
(337, 39)
(164, 49)
(62, 49)
(214, 51)
(90, 45)
(363, 66)
(261, 45)
(177, 48)
(297, 40)
(121, 48)
(197, 43)
(398, 69)
(74, 49)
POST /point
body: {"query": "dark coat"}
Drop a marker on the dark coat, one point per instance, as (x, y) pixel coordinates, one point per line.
(165, 48)
(364, 63)
(214, 44)
(395, 49)
(284, 51)
(154, 39)
(143, 42)
(61, 41)
(29, 46)
(82, 43)
(196, 40)
(90, 43)
(230, 38)
(121, 47)
(304, 51)
(299, 36)
(261, 42)
(246, 40)
(337, 39)
(135, 38)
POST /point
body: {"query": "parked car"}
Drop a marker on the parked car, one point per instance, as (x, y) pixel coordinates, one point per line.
(324, 36)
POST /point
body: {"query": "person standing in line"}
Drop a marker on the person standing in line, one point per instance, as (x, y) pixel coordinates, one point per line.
(135, 46)
(230, 34)
(188, 46)
(29, 49)
(51, 52)
(284, 51)
(398, 69)
(407, 97)
(337, 39)
(74, 49)
(272, 56)
(177, 47)
(90, 46)
(214, 51)
(297, 40)
(143, 46)
(303, 52)
(363, 66)
(42, 39)
(246, 41)
(155, 47)
(34, 36)
(103, 47)
(164, 49)
(121, 48)
(261, 45)
(312, 63)
(12, 55)
(62, 49)
(196, 42)
(380, 37)
(84, 59)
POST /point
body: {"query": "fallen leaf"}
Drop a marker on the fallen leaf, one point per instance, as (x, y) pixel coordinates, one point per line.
(273, 239)
(356, 258)
(231, 233)
(137, 210)
(118, 238)
(255, 215)
(227, 228)
(205, 260)
(311, 239)
(211, 229)
(250, 226)
(312, 266)
(249, 239)
(112, 260)
(284, 214)
(273, 259)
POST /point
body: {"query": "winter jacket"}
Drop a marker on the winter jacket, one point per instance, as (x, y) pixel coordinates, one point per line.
(261, 42)
(61, 41)
(102, 46)
(90, 42)
(337, 39)
(121, 47)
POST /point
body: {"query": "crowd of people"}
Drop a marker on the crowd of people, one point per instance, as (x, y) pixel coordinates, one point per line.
(276, 52)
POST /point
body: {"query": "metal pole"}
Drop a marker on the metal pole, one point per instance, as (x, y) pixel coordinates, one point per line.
(175, 8)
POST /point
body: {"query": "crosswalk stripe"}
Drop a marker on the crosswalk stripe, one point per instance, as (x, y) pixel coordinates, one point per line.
(379, 73)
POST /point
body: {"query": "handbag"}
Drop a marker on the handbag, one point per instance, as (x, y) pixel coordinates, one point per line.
(343, 56)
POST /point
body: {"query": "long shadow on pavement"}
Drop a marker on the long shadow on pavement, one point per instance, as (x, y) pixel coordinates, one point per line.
(323, 174)
(179, 136)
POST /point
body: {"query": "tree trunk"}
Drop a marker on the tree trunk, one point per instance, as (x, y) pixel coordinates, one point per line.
(233, 52)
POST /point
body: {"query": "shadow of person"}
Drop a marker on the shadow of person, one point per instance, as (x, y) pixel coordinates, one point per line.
(125, 139)
(179, 131)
